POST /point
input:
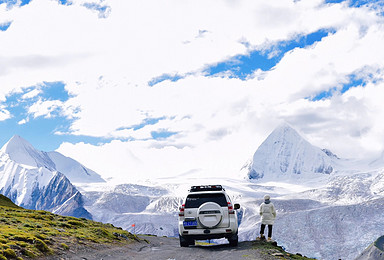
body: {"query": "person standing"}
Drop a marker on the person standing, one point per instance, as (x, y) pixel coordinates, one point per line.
(268, 215)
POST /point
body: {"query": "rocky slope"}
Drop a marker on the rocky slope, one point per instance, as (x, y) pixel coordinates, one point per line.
(374, 252)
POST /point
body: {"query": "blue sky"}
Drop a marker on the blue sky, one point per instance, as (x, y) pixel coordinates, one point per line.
(40, 131)
(5, 26)
(103, 76)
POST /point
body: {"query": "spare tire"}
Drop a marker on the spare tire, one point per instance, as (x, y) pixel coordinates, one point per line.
(210, 214)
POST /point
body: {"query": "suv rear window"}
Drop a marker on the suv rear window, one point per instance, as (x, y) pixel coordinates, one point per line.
(196, 200)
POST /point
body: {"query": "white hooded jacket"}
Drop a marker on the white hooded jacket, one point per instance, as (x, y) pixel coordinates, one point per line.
(267, 213)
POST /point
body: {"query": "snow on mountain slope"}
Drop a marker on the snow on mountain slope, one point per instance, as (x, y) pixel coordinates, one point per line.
(350, 189)
(285, 154)
(332, 232)
(30, 179)
(38, 188)
(19, 183)
(24, 154)
(149, 208)
(73, 170)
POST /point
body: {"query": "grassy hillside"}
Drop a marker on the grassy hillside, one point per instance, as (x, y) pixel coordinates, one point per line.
(26, 234)
(4, 201)
(273, 249)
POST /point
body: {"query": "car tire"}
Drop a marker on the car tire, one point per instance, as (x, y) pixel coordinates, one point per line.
(185, 242)
(234, 240)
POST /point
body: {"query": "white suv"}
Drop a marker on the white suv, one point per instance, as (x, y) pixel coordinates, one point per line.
(207, 213)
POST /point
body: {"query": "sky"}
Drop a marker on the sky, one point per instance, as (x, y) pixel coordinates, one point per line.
(143, 89)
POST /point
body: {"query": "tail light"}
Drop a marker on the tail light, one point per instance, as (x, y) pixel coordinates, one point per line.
(181, 212)
(230, 208)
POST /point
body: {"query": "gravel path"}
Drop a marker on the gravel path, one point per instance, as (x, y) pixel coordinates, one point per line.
(164, 248)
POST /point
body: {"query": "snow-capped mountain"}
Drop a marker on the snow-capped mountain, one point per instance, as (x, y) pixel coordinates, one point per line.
(30, 179)
(22, 152)
(285, 154)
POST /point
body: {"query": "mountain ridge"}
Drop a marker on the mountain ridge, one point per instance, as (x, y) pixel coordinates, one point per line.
(30, 179)
(22, 152)
(285, 154)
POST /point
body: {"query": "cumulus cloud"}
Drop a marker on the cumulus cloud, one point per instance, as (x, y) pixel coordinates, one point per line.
(4, 114)
(108, 53)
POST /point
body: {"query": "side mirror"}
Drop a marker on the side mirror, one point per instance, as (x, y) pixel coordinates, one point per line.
(236, 206)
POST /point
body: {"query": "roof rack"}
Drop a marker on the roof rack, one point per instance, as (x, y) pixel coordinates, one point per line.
(206, 188)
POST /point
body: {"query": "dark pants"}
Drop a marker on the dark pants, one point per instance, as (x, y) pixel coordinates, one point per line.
(269, 230)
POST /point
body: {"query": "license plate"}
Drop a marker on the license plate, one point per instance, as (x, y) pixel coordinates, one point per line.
(190, 223)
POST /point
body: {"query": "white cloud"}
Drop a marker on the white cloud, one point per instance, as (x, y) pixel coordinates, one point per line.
(31, 94)
(107, 63)
(4, 114)
(23, 121)
(48, 108)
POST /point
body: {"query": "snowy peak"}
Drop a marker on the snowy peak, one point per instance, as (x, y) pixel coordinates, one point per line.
(286, 154)
(16, 143)
(21, 151)
(285, 131)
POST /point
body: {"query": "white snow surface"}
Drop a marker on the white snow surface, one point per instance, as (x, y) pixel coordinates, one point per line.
(21, 152)
(22, 179)
(73, 170)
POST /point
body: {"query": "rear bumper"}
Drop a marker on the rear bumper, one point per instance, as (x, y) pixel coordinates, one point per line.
(201, 233)
(208, 236)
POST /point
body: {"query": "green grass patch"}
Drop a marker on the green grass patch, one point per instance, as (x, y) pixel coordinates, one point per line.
(9, 253)
(4, 201)
(271, 248)
(31, 233)
(64, 246)
(75, 223)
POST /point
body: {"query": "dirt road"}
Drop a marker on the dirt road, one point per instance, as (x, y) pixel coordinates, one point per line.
(164, 248)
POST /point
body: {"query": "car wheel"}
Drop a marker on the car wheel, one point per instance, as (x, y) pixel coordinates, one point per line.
(234, 240)
(184, 242)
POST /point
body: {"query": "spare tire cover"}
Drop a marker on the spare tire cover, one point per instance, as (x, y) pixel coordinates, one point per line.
(210, 214)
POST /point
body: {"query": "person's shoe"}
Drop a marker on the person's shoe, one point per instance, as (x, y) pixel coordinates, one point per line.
(269, 239)
(261, 237)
